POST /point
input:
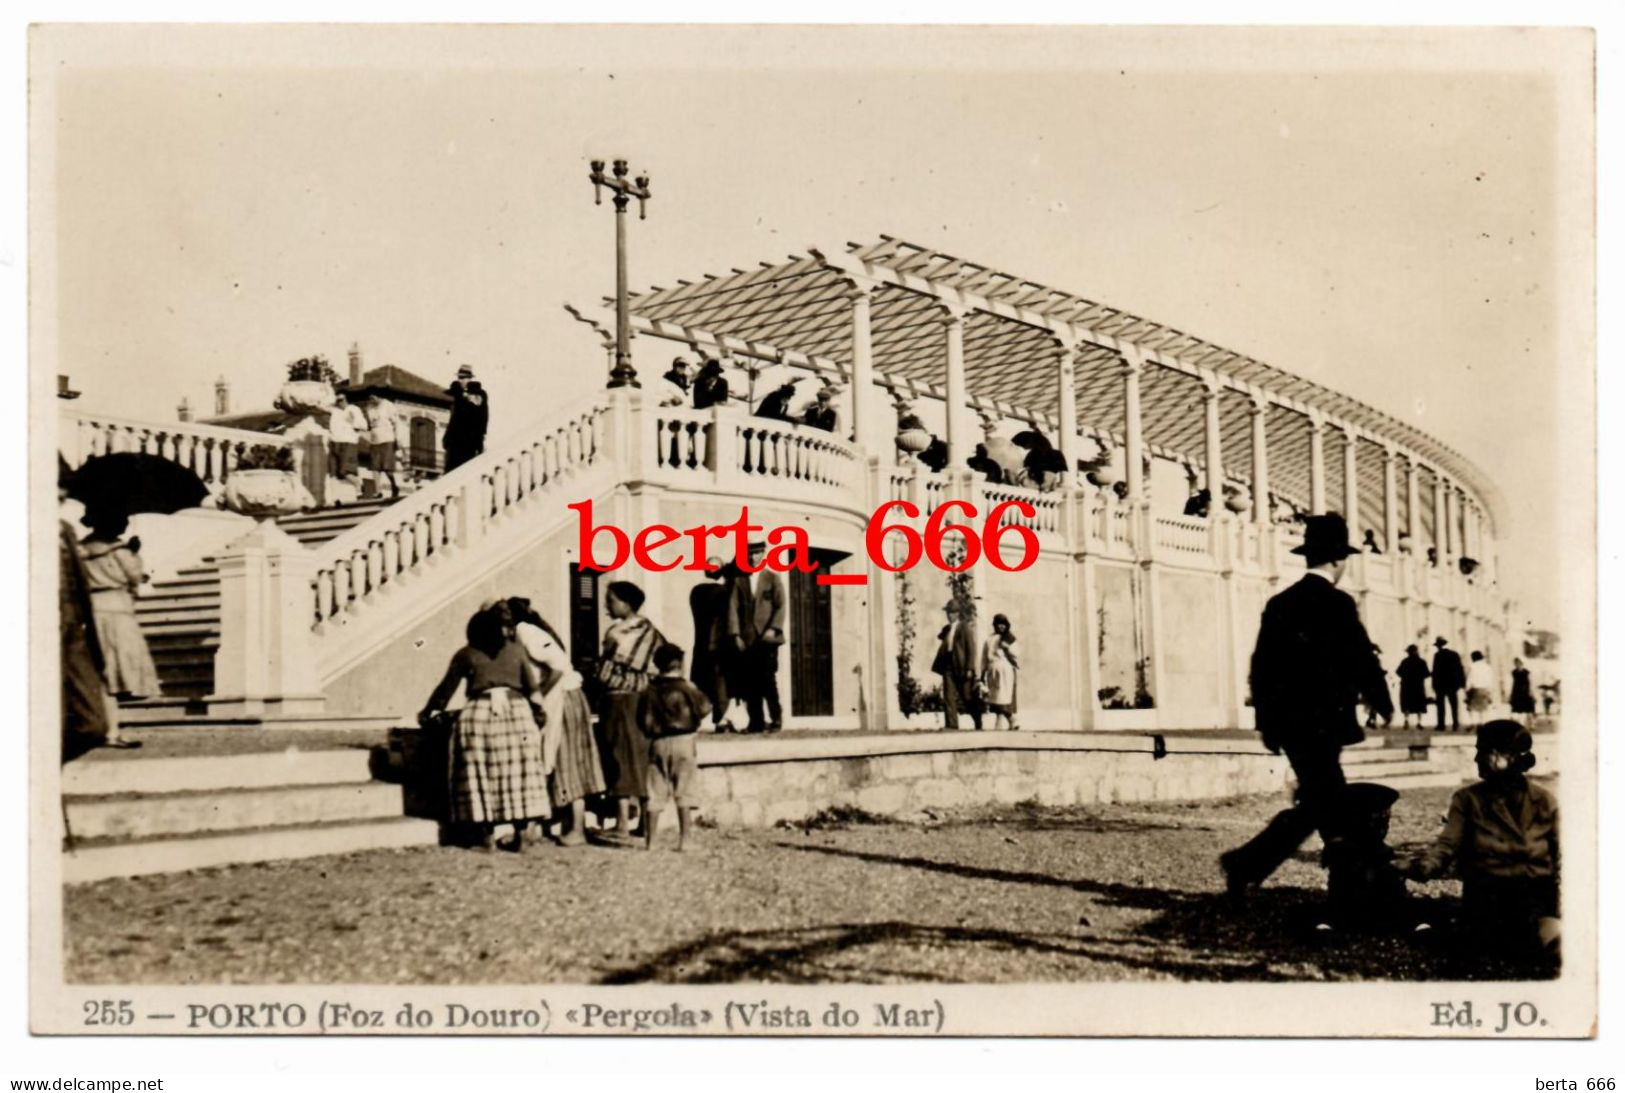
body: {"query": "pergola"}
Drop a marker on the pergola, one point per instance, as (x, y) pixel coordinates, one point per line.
(901, 316)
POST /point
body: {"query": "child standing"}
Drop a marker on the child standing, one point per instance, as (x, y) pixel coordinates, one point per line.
(999, 669)
(1501, 835)
(670, 710)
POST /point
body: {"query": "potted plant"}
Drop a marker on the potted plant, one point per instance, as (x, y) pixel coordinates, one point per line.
(912, 435)
(309, 390)
(264, 483)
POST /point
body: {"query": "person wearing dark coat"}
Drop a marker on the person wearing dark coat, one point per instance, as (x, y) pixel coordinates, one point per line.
(982, 463)
(755, 627)
(777, 404)
(470, 415)
(711, 668)
(1449, 677)
(935, 456)
(1413, 693)
(959, 668)
(85, 706)
(1312, 666)
(1522, 696)
(710, 386)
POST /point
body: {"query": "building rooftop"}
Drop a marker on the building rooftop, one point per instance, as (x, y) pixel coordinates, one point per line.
(393, 380)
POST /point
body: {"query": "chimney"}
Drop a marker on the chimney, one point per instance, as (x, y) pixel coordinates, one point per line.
(355, 364)
(183, 412)
(222, 397)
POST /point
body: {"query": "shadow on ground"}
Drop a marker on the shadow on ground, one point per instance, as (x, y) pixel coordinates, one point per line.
(1195, 936)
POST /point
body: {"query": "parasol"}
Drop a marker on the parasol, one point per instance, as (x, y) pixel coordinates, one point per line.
(133, 482)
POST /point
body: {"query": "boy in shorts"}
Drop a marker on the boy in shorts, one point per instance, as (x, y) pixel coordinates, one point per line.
(670, 710)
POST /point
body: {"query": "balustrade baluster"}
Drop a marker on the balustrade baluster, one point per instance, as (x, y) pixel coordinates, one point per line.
(437, 528)
(392, 554)
(341, 585)
(324, 595)
(375, 565)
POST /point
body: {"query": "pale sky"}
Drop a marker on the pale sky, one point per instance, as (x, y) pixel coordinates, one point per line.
(1386, 219)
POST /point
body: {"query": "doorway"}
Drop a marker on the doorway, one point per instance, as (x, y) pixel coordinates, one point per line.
(812, 671)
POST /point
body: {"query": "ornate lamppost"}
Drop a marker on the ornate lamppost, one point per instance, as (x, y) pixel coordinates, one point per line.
(621, 192)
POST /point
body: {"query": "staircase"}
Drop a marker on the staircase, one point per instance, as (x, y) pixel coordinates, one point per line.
(180, 614)
(1397, 768)
(130, 817)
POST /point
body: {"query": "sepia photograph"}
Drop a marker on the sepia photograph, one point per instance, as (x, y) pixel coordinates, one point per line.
(825, 531)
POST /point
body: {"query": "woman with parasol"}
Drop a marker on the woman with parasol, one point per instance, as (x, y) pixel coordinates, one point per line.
(113, 488)
(114, 574)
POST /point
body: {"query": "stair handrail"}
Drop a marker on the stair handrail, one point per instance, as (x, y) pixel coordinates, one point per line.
(439, 515)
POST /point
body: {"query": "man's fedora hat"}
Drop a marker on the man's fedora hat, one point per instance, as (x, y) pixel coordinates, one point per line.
(1325, 539)
(1439, 643)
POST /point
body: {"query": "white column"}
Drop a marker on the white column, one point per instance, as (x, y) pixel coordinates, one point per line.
(1133, 445)
(1453, 520)
(959, 438)
(1261, 462)
(1390, 501)
(1066, 394)
(1215, 452)
(1413, 501)
(1351, 483)
(863, 365)
(1317, 465)
(1441, 519)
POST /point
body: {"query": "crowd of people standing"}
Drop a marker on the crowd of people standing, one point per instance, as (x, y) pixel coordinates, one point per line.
(1442, 684)
(525, 751)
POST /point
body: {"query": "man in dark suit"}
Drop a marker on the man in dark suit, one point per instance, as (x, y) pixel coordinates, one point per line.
(712, 665)
(956, 663)
(1448, 679)
(470, 416)
(756, 625)
(1313, 663)
(777, 404)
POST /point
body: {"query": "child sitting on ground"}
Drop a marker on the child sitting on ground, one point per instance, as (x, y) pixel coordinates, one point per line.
(1365, 889)
(1501, 836)
(670, 710)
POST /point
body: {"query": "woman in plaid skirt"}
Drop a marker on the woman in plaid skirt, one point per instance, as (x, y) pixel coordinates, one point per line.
(497, 771)
(624, 670)
(567, 744)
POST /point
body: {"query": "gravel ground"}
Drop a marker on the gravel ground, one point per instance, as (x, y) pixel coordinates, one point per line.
(1019, 893)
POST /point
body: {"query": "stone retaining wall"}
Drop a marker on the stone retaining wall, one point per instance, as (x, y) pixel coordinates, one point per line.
(759, 782)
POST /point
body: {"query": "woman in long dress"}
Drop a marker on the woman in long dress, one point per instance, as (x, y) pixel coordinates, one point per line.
(497, 774)
(624, 670)
(567, 743)
(1522, 698)
(114, 573)
(999, 673)
(1413, 675)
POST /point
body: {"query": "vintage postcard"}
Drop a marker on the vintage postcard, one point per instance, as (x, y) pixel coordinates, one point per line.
(815, 531)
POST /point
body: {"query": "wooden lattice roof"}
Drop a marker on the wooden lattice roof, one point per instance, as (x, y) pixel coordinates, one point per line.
(799, 311)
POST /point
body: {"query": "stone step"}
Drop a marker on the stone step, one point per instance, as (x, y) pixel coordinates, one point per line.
(1376, 772)
(93, 860)
(1357, 756)
(102, 777)
(167, 618)
(1428, 780)
(144, 816)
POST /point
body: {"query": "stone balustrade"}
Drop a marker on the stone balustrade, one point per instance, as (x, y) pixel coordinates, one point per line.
(453, 511)
(209, 451)
(725, 451)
